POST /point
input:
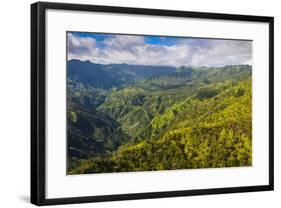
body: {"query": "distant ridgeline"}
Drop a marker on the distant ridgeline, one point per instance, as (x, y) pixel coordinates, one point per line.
(135, 118)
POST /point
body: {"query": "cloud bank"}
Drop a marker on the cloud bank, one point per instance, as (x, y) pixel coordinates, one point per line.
(139, 50)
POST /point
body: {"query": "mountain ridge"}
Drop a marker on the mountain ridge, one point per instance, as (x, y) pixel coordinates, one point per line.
(129, 113)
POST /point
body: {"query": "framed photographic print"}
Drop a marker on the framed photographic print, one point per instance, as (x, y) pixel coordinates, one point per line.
(131, 103)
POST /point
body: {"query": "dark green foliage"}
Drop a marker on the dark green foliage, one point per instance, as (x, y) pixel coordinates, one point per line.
(112, 75)
(90, 132)
(91, 74)
(193, 118)
(206, 93)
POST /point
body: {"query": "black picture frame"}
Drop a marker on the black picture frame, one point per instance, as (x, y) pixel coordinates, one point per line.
(38, 100)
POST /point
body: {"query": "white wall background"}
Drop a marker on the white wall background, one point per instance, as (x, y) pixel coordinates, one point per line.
(15, 103)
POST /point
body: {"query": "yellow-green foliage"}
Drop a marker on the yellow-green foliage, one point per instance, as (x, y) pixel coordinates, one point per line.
(211, 130)
(73, 116)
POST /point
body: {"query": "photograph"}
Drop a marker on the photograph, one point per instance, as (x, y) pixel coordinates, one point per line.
(140, 102)
(135, 103)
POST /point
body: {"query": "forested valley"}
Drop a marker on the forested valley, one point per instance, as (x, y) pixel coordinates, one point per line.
(124, 118)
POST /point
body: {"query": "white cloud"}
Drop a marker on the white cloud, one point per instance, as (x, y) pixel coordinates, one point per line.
(134, 50)
(80, 45)
(124, 42)
(223, 52)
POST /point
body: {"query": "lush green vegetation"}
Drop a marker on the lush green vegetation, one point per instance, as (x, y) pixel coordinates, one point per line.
(160, 120)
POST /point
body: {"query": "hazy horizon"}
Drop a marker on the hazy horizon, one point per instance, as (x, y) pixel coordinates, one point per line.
(160, 65)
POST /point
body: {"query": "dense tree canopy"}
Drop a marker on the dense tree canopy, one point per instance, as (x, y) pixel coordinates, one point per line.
(192, 118)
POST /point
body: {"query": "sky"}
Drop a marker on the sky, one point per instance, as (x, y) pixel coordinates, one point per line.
(157, 50)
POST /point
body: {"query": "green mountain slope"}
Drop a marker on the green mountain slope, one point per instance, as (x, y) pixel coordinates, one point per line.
(90, 132)
(112, 75)
(136, 105)
(201, 119)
